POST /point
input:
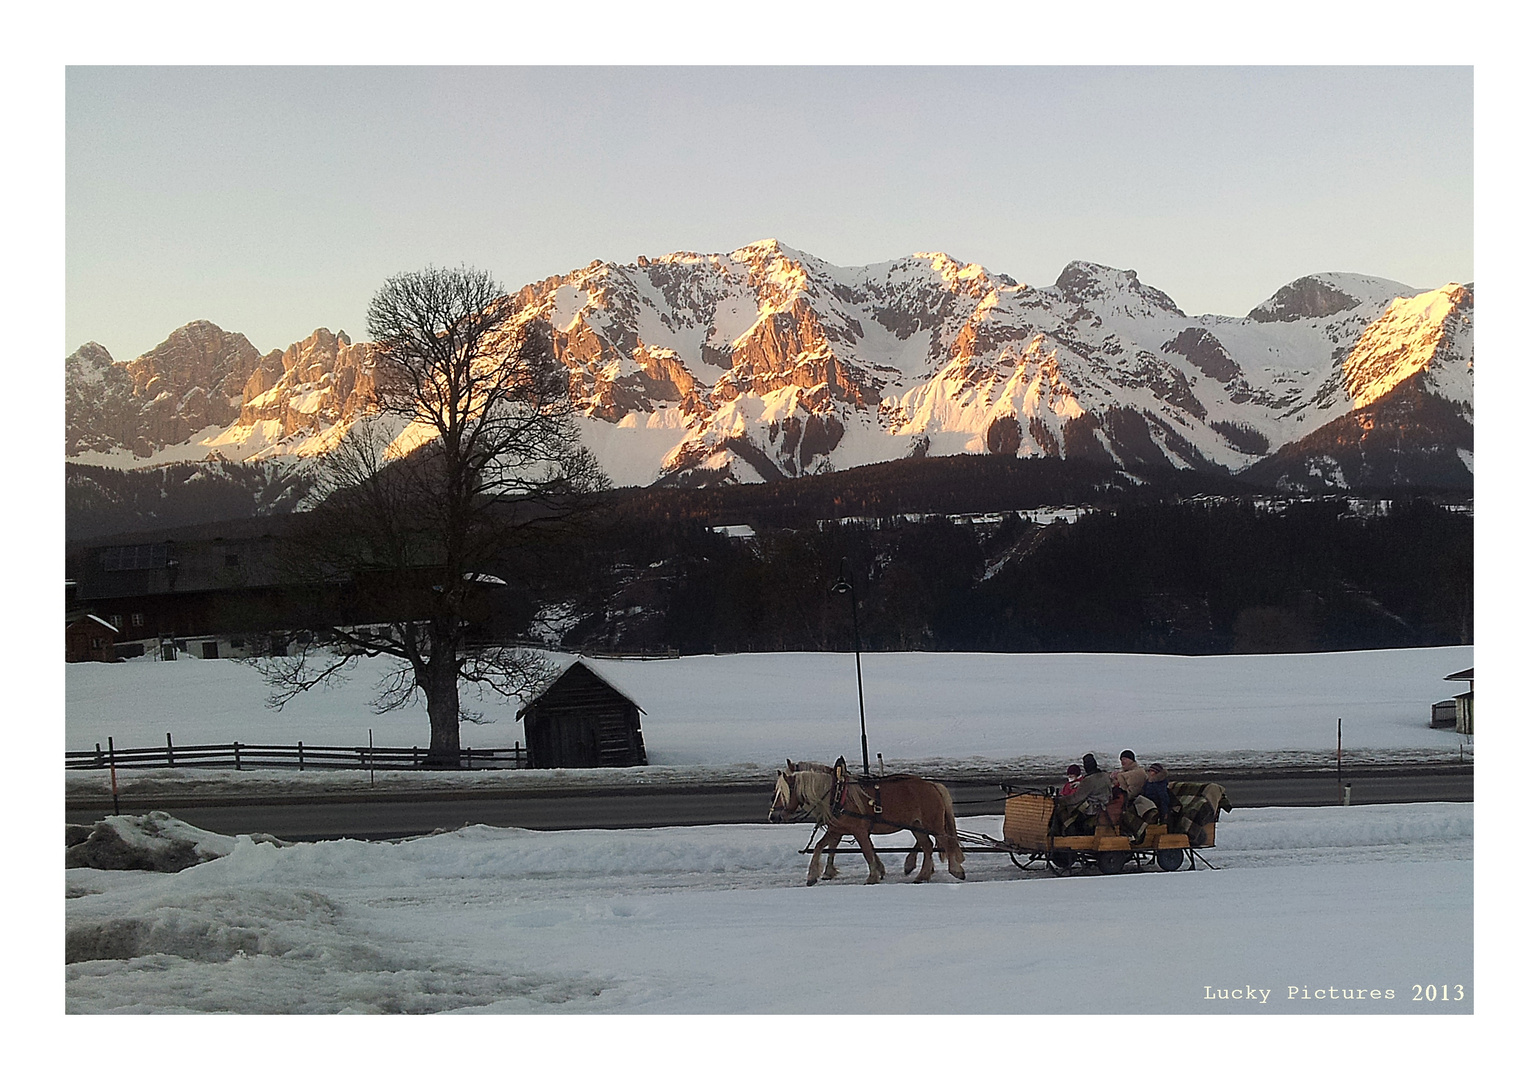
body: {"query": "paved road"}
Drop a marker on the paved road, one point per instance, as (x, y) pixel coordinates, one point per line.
(389, 818)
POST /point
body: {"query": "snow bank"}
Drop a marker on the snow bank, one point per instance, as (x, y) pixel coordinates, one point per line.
(711, 920)
(155, 841)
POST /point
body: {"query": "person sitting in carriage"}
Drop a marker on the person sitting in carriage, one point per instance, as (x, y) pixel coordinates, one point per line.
(1157, 791)
(1071, 781)
(1127, 785)
(1077, 812)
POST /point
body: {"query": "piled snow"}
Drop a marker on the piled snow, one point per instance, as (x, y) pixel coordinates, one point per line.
(928, 709)
(153, 841)
(715, 920)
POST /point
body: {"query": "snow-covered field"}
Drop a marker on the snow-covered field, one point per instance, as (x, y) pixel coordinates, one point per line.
(922, 709)
(716, 920)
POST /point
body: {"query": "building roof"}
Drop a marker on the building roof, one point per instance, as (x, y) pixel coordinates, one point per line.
(92, 618)
(570, 668)
(1467, 675)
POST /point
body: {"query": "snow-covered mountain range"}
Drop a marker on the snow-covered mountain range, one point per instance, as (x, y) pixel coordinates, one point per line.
(767, 362)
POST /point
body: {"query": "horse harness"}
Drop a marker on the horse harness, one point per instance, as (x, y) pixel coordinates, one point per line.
(841, 789)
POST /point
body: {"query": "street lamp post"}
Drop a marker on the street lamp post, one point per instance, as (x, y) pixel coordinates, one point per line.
(841, 587)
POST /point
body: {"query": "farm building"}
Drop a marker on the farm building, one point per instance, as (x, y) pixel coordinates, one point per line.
(87, 637)
(1464, 704)
(580, 721)
(226, 589)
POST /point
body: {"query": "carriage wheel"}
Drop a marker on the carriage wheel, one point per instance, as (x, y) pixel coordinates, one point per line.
(1170, 858)
(1024, 862)
(1111, 862)
(1061, 862)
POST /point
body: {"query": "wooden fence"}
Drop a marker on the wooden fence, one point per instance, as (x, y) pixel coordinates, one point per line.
(239, 755)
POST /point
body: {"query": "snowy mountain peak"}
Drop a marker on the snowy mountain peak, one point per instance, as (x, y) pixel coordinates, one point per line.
(767, 362)
(1426, 333)
(1318, 296)
(1088, 283)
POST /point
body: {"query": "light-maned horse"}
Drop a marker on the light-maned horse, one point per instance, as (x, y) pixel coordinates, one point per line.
(911, 803)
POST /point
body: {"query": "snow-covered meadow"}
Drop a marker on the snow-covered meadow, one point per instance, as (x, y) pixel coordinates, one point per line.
(922, 709)
(716, 920)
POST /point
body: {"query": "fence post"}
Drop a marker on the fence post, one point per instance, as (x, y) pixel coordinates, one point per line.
(101, 763)
(236, 747)
(371, 757)
(414, 757)
(301, 757)
(1338, 762)
(170, 753)
(112, 759)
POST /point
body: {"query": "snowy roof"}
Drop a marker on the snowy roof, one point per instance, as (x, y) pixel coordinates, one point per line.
(587, 666)
(92, 618)
(737, 532)
(1467, 675)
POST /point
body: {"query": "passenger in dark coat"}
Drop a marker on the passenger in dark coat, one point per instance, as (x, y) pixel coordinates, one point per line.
(1088, 799)
(1157, 790)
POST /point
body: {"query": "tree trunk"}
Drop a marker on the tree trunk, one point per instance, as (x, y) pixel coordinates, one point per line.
(443, 705)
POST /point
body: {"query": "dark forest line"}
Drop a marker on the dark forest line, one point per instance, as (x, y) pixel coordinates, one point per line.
(1194, 563)
(1170, 577)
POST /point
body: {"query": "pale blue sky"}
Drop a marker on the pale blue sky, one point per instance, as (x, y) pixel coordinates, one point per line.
(275, 200)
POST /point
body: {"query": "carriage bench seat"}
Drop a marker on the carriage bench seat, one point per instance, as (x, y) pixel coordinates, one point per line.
(1027, 816)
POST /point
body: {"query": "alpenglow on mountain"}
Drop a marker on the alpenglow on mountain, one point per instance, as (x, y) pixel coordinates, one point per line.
(767, 362)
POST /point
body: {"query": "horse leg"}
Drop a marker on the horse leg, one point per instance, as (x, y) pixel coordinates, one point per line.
(950, 842)
(952, 849)
(817, 860)
(924, 844)
(877, 870)
(831, 839)
(912, 860)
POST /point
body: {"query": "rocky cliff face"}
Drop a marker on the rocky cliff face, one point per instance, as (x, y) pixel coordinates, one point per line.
(767, 362)
(188, 383)
(307, 388)
(206, 393)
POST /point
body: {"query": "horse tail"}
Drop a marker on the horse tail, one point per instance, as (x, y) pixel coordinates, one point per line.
(950, 815)
(951, 843)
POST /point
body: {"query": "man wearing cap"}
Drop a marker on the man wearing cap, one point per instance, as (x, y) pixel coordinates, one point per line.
(1127, 784)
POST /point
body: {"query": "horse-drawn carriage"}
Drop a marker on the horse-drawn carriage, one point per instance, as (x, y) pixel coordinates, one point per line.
(842, 806)
(1030, 835)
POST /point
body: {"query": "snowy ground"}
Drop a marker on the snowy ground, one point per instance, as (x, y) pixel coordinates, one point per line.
(737, 715)
(716, 920)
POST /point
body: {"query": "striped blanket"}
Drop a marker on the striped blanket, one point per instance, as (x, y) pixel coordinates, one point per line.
(1194, 804)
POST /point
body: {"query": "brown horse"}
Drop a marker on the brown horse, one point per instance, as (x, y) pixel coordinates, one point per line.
(911, 803)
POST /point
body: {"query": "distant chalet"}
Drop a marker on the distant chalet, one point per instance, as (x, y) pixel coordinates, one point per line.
(582, 722)
(89, 638)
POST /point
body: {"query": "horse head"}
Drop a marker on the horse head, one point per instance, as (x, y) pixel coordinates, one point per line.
(785, 803)
(800, 794)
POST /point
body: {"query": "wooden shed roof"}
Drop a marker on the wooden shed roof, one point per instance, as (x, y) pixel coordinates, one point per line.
(568, 670)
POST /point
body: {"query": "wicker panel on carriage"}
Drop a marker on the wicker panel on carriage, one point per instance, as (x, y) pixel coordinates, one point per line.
(1026, 820)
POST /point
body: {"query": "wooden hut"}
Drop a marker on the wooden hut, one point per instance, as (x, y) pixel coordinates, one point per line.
(87, 638)
(1464, 704)
(580, 721)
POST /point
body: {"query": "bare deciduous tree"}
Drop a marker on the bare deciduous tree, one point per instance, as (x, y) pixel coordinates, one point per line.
(482, 462)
